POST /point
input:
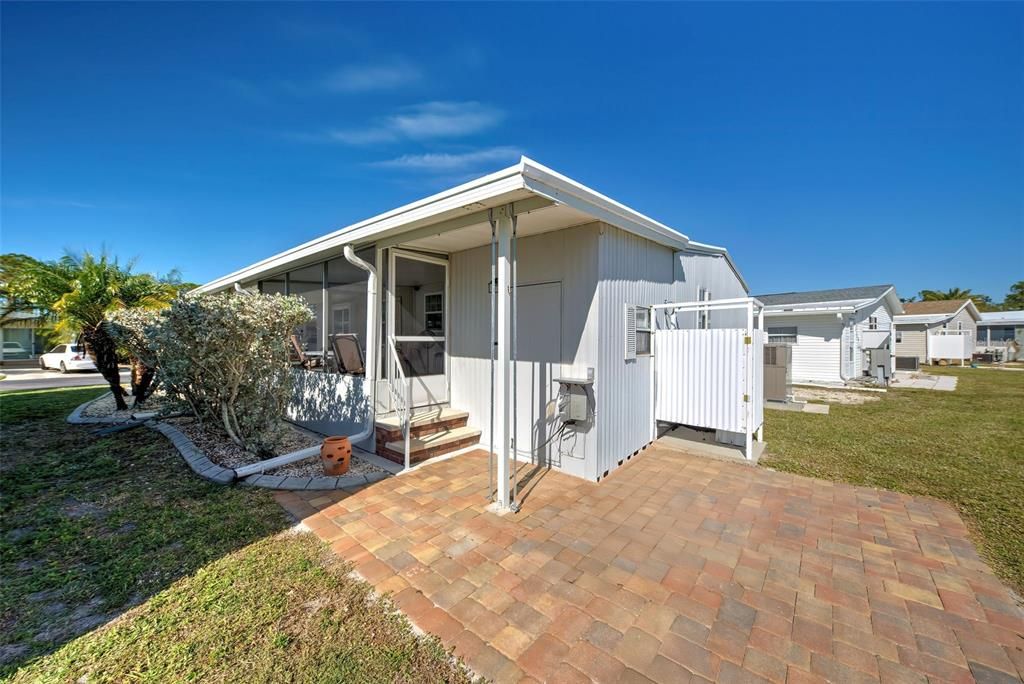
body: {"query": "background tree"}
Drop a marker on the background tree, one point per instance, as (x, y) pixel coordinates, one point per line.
(938, 295)
(78, 293)
(1014, 300)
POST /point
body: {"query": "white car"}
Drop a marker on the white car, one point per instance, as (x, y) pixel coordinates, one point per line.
(67, 357)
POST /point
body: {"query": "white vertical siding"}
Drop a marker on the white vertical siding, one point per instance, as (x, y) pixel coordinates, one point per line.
(817, 352)
(566, 256)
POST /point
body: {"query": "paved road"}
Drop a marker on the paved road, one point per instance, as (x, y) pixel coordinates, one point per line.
(35, 378)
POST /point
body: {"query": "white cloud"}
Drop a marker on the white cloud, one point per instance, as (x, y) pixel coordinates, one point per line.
(429, 120)
(436, 162)
(445, 119)
(362, 78)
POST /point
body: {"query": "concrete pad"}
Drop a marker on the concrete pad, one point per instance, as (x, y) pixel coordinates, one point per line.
(691, 441)
(798, 406)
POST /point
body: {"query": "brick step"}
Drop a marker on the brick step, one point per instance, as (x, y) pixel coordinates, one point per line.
(429, 446)
(427, 423)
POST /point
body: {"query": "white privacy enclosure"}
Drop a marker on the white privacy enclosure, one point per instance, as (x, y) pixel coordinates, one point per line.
(712, 378)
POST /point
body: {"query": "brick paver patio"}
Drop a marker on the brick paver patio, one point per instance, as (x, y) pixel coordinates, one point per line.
(677, 568)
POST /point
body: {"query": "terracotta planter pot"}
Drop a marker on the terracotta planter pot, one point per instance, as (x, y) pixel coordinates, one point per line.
(335, 454)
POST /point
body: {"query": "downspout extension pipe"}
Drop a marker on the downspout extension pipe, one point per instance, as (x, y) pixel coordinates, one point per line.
(369, 381)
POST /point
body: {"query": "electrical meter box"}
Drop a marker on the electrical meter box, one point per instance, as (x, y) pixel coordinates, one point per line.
(575, 404)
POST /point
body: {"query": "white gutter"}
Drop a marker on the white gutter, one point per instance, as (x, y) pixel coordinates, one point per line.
(369, 380)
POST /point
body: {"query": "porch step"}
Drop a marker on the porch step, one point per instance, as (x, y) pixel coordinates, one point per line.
(389, 429)
(428, 446)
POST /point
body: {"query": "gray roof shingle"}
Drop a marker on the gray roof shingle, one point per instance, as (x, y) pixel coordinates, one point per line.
(815, 296)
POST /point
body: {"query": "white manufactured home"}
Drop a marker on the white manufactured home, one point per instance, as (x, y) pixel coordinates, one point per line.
(941, 330)
(832, 332)
(523, 312)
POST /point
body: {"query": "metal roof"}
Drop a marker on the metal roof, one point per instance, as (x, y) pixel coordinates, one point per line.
(1007, 317)
(527, 179)
(843, 294)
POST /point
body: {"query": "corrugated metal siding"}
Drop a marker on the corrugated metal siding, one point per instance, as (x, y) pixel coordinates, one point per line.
(567, 256)
(816, 354)
(694, 271)
(702, 377)
(633, 270)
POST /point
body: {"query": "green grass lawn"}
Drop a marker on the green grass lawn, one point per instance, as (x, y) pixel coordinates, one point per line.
(119, 564)
(965, 447)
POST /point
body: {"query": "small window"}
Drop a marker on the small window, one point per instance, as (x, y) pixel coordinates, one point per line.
(899, 337)
(59, 349)
(433, 312)
(782, 335)
(872, 323)
(643, 331)
(959, 325)
(704, 315)
(637, 331)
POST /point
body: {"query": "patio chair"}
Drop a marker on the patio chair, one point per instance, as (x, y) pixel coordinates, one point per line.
(348, 355)
(300, 357)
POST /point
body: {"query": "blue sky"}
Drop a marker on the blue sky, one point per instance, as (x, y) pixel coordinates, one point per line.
(825, 145)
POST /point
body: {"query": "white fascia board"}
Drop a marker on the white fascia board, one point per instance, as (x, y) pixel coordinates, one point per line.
(922, 318)
(702, 247)
(808, 311)
(407, 216)
(553, 185)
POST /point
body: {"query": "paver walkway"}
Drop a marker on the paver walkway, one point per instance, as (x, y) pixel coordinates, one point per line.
(677, 568)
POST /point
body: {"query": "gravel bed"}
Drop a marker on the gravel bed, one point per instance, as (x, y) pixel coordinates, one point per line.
(222, 451)
(106, 407)
(833, 396)
(311, 468)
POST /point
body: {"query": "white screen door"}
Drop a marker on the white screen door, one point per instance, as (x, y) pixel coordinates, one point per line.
(418, 318)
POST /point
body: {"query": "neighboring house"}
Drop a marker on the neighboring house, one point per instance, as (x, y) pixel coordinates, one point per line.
(831, 331)
(936, 330)
(18, 335)
(997, 329)
(576, 273)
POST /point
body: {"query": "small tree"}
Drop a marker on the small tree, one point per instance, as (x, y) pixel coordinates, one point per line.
(78, 293)
(133, 331)
(1015, 297)
(226, 355)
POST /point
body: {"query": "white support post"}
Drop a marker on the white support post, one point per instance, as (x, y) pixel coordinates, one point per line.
(502, 408)
(760, 328)
(749, 446)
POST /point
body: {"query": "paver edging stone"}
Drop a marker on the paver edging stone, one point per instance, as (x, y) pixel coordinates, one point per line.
(201, 465)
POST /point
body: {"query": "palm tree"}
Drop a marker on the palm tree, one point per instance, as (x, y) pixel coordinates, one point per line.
(78, 293)
(937, 295)
(1015, 298)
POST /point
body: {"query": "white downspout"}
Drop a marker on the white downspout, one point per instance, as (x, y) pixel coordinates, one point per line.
(369, 380)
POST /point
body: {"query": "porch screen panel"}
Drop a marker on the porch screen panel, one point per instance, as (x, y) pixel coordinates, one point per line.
(308, 283)
(346, 297)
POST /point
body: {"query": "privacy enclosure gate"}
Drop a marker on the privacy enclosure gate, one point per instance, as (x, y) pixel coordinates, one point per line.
(711, 378)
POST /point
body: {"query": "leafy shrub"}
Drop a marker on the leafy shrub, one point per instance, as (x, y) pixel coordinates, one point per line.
(226, 355)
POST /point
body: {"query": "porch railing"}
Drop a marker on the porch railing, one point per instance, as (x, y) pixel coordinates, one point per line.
(400, 389)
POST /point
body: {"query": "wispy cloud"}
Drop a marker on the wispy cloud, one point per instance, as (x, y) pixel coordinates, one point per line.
(363, 78)
(445, 119)
(425, 121)
(35, 202)
(445, 162)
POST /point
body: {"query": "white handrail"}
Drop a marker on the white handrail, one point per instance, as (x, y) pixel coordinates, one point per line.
(401, 404)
